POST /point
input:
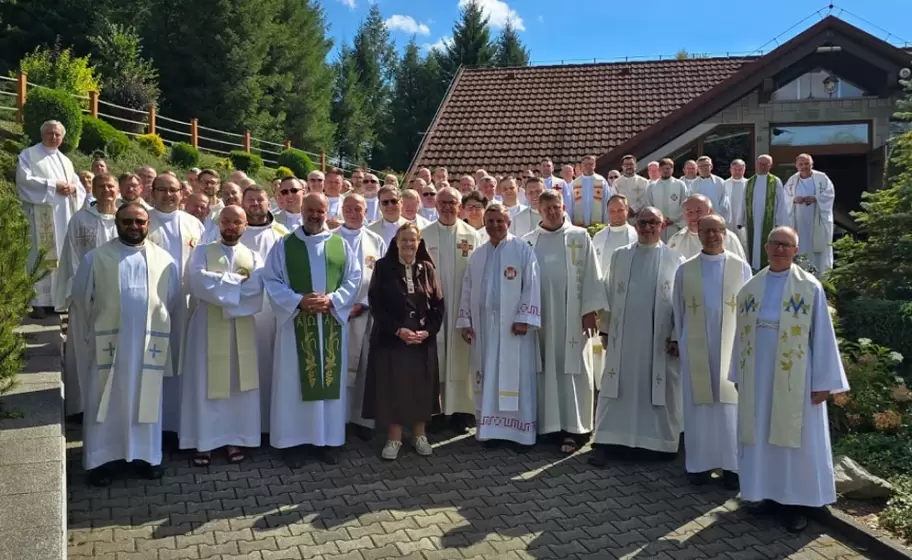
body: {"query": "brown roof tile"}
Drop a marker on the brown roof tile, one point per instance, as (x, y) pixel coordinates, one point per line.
(508, 119)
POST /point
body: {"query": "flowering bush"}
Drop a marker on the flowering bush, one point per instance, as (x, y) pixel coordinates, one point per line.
(879, 400)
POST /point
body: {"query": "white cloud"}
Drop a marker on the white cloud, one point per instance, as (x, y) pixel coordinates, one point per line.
(349, 3)
(407, 24)
(440, 45)
(498, 12)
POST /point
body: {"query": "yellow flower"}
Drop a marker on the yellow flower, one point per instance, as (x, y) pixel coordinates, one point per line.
(841, 399)
(889, 420)
(796, 330)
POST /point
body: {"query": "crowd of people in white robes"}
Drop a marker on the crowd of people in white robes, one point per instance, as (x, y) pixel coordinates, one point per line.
(243, 311)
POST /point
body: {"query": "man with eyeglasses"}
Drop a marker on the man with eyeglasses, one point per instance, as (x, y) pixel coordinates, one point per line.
(211, 183)
(473, 207)
(639, 405)
(124, 296)
(131, 190)
(688, 241)
(668, 194)
(371, 187)
(410, 200)
(428, 208)
(316, 182)
(705, 291)
(786, 364)
(312, 279)
(451, 242)
(391, 209)
(333, 184)
(357, 178)
(291, 192)
(178, 233)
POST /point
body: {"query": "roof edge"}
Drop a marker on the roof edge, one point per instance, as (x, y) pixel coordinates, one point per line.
(432, 126)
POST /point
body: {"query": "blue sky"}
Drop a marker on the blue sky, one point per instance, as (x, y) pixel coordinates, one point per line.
(557, 31)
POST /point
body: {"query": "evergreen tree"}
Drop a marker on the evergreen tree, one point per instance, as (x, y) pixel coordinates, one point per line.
(406, 110)
(349, 110)
(471, 45)
(510, 50)
(375, 59)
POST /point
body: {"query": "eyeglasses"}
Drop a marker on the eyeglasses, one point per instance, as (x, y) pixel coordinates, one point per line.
(286, 192)
(133, 221)
(389, 202)
(780, 245)
(447, 202)
(648, 223)
(429, 194)
(474, 208)
(370, 181)
(172, 191)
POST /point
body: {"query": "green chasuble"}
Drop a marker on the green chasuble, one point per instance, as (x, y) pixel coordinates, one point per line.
(319, 365)
(769, 207)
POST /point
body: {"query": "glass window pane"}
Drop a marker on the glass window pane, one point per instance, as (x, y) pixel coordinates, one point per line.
(820, 135)
(788, 92)
(727, 144)
(683, 154)
(810, 86)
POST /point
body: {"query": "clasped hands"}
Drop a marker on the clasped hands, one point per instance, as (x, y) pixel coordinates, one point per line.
(314, 303)
(409, 336)
(518, 329)
(65, 188)
(806, 200)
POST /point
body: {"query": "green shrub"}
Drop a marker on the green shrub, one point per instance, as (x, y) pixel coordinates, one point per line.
(99, 136)
(17, 289)
(297, 161)
(283, 172)
(152, 143)
(8, 163)
(898, 515)
(12, 146)
(888, 323)
(59, 69)
(246, 162)
(43, 105)
(184, 155)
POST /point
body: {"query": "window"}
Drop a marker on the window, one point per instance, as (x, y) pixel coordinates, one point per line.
(820, 135)
(819, 84)
(682, 155)
(727, 144)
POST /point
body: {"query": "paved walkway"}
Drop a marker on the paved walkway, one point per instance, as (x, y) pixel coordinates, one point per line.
(464, 502)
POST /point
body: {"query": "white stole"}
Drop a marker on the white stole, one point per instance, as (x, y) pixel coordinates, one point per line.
(793, 344)
(618, 280)
(156, 340)
(45, 165)
(697, 342)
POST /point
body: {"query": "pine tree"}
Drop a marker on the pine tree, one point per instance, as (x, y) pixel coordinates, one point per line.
(471, 45)
(349, 111)
(406, 110)
(375, 59)
(510, 50)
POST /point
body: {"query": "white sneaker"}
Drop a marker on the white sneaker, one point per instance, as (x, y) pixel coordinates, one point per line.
(422, 446)
(391, 450)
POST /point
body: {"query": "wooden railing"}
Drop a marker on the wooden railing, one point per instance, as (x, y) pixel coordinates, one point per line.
(134, 122)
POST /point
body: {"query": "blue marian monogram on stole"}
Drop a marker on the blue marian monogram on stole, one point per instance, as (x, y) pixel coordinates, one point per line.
(750, 305)
(796, 304)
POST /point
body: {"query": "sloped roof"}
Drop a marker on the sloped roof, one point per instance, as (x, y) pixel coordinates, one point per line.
(508, 119)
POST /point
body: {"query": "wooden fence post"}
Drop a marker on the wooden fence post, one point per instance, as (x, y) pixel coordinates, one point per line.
(323, 162)
(247, 141)
(151, 119)
(194, 133)
(21, 88)
(287, 144)
(93, 104)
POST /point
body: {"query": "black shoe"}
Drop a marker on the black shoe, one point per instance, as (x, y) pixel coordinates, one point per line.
(731, 481)
(599, 457)
(150, 472)
(764, 508)
(100, 477)
(326, 455)
(794, 520)
(458, 424)
(292, 458)
(436, 425)
(364, 433)
(38, 313)
(170, 442)
(699, 479)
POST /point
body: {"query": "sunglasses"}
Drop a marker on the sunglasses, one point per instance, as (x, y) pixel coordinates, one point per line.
(370, 181)
(285, 192)
(428, 194)
(389, 201)
(647, 223)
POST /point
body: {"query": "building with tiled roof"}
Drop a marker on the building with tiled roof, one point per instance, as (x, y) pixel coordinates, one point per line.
(829, 91)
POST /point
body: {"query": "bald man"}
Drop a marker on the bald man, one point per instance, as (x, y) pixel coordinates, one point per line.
(312, 279)
(812, 195)
(220, 397)
(687, 241)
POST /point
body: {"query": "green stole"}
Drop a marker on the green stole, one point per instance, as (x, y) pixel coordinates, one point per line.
(314, 385)
(769, 206)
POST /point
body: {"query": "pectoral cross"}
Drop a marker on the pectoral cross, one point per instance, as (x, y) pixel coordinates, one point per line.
(465, 246)
(154, 351)
(693, 305)
(574, 246)
(110, 350)
(732, 303)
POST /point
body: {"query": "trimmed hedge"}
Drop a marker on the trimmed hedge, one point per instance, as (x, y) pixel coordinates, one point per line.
(184, 155)
(151, 143)
(245, 161)
(283, 172)
(297, 161)
(45, 105)
(885, 322)
(99, 136)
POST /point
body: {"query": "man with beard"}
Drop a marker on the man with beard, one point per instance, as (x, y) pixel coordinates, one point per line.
(178, 233)
(197, 205)
(90, 228)
(291, 193)
(126, 331)
(312, 279)
(261, 235)
(210, 181)
(371, 187)
(131, 190)
(367, 248)
(357, 178)
(220, 403)
(631, 185)
(146, 175)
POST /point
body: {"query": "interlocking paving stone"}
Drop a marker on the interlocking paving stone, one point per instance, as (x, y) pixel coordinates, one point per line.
(465, 502)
